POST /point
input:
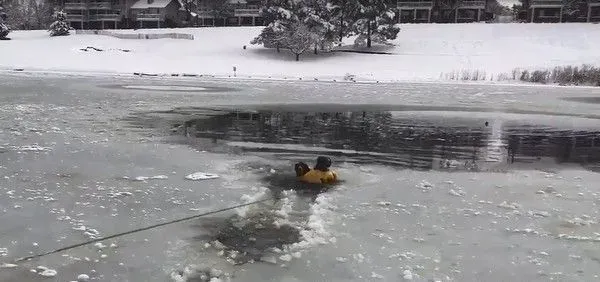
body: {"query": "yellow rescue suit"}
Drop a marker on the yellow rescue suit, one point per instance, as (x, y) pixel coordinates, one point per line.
(319, 177)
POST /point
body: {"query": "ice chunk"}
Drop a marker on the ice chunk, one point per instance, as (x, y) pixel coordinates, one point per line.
(33, 148)
(359, 257)
(201, 176)
(8, 265)
(407, 275)
(48, 272)
(218, 245)
(144, 178)
(341, 259)
(457, 193)
(269, 259)
(83, 278)
(510, 206)
(425, 186)
(383, 204)
(286, 258)
(99, 245)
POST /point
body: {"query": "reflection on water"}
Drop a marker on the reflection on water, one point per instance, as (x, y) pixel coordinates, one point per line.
(399, 139)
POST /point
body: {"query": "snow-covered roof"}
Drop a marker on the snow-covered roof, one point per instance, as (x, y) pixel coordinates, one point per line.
(143, 4)
(237, 1)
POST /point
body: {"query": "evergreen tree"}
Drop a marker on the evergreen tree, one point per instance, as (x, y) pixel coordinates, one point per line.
(342, 14)
(4, 30)
(316, 16)
(60, 27)
(374, 21)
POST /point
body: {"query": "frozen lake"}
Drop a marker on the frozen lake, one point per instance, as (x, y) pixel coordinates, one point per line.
(442, 182)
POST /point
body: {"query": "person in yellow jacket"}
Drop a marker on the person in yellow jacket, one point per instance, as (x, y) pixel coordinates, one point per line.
(320, 174)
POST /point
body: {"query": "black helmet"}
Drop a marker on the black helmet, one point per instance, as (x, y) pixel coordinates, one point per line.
(323, 163)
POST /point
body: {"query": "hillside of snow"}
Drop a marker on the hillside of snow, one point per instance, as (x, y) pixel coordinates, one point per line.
(421, 52)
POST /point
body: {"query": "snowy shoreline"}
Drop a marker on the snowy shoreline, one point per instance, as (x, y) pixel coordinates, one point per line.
(199, 78)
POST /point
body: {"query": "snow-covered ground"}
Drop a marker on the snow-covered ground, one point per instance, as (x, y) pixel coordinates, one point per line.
(422, 52)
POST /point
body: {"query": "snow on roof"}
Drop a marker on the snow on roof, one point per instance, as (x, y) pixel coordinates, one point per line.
(143, 4)
(236, 1)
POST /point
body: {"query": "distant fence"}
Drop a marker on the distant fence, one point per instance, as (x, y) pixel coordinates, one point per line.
(137, 35)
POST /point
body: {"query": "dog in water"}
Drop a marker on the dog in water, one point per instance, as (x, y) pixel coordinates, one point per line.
(320, 174)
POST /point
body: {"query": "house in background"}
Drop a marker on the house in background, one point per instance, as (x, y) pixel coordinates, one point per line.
(546, 11)
(593, 14)
(558, 11)
(415, 11)
(157, 13)
(103, 14)
(229, 13)
(95, 14)
(442, 11)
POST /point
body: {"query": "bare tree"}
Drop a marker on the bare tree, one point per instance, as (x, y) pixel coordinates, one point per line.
(298, 39)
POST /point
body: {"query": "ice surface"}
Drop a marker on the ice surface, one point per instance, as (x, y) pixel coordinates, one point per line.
(378, 221)
(165, 87)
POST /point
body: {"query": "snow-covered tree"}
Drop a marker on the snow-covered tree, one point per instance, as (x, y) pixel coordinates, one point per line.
(374, 21)
(4, 30)
(342, 14)
(294, 24)
(60, 27)
(273, 35)
(317, 17)
(28, 14)
(278, 14)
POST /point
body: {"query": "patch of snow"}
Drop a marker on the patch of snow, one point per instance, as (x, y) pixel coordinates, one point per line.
(509, 206)
(539, 213)
(201, 176)
(425, 186)
(46, 272)
(32, 148)
(144, 178)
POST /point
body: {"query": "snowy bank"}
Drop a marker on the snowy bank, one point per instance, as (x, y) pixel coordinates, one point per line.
(422, 52)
